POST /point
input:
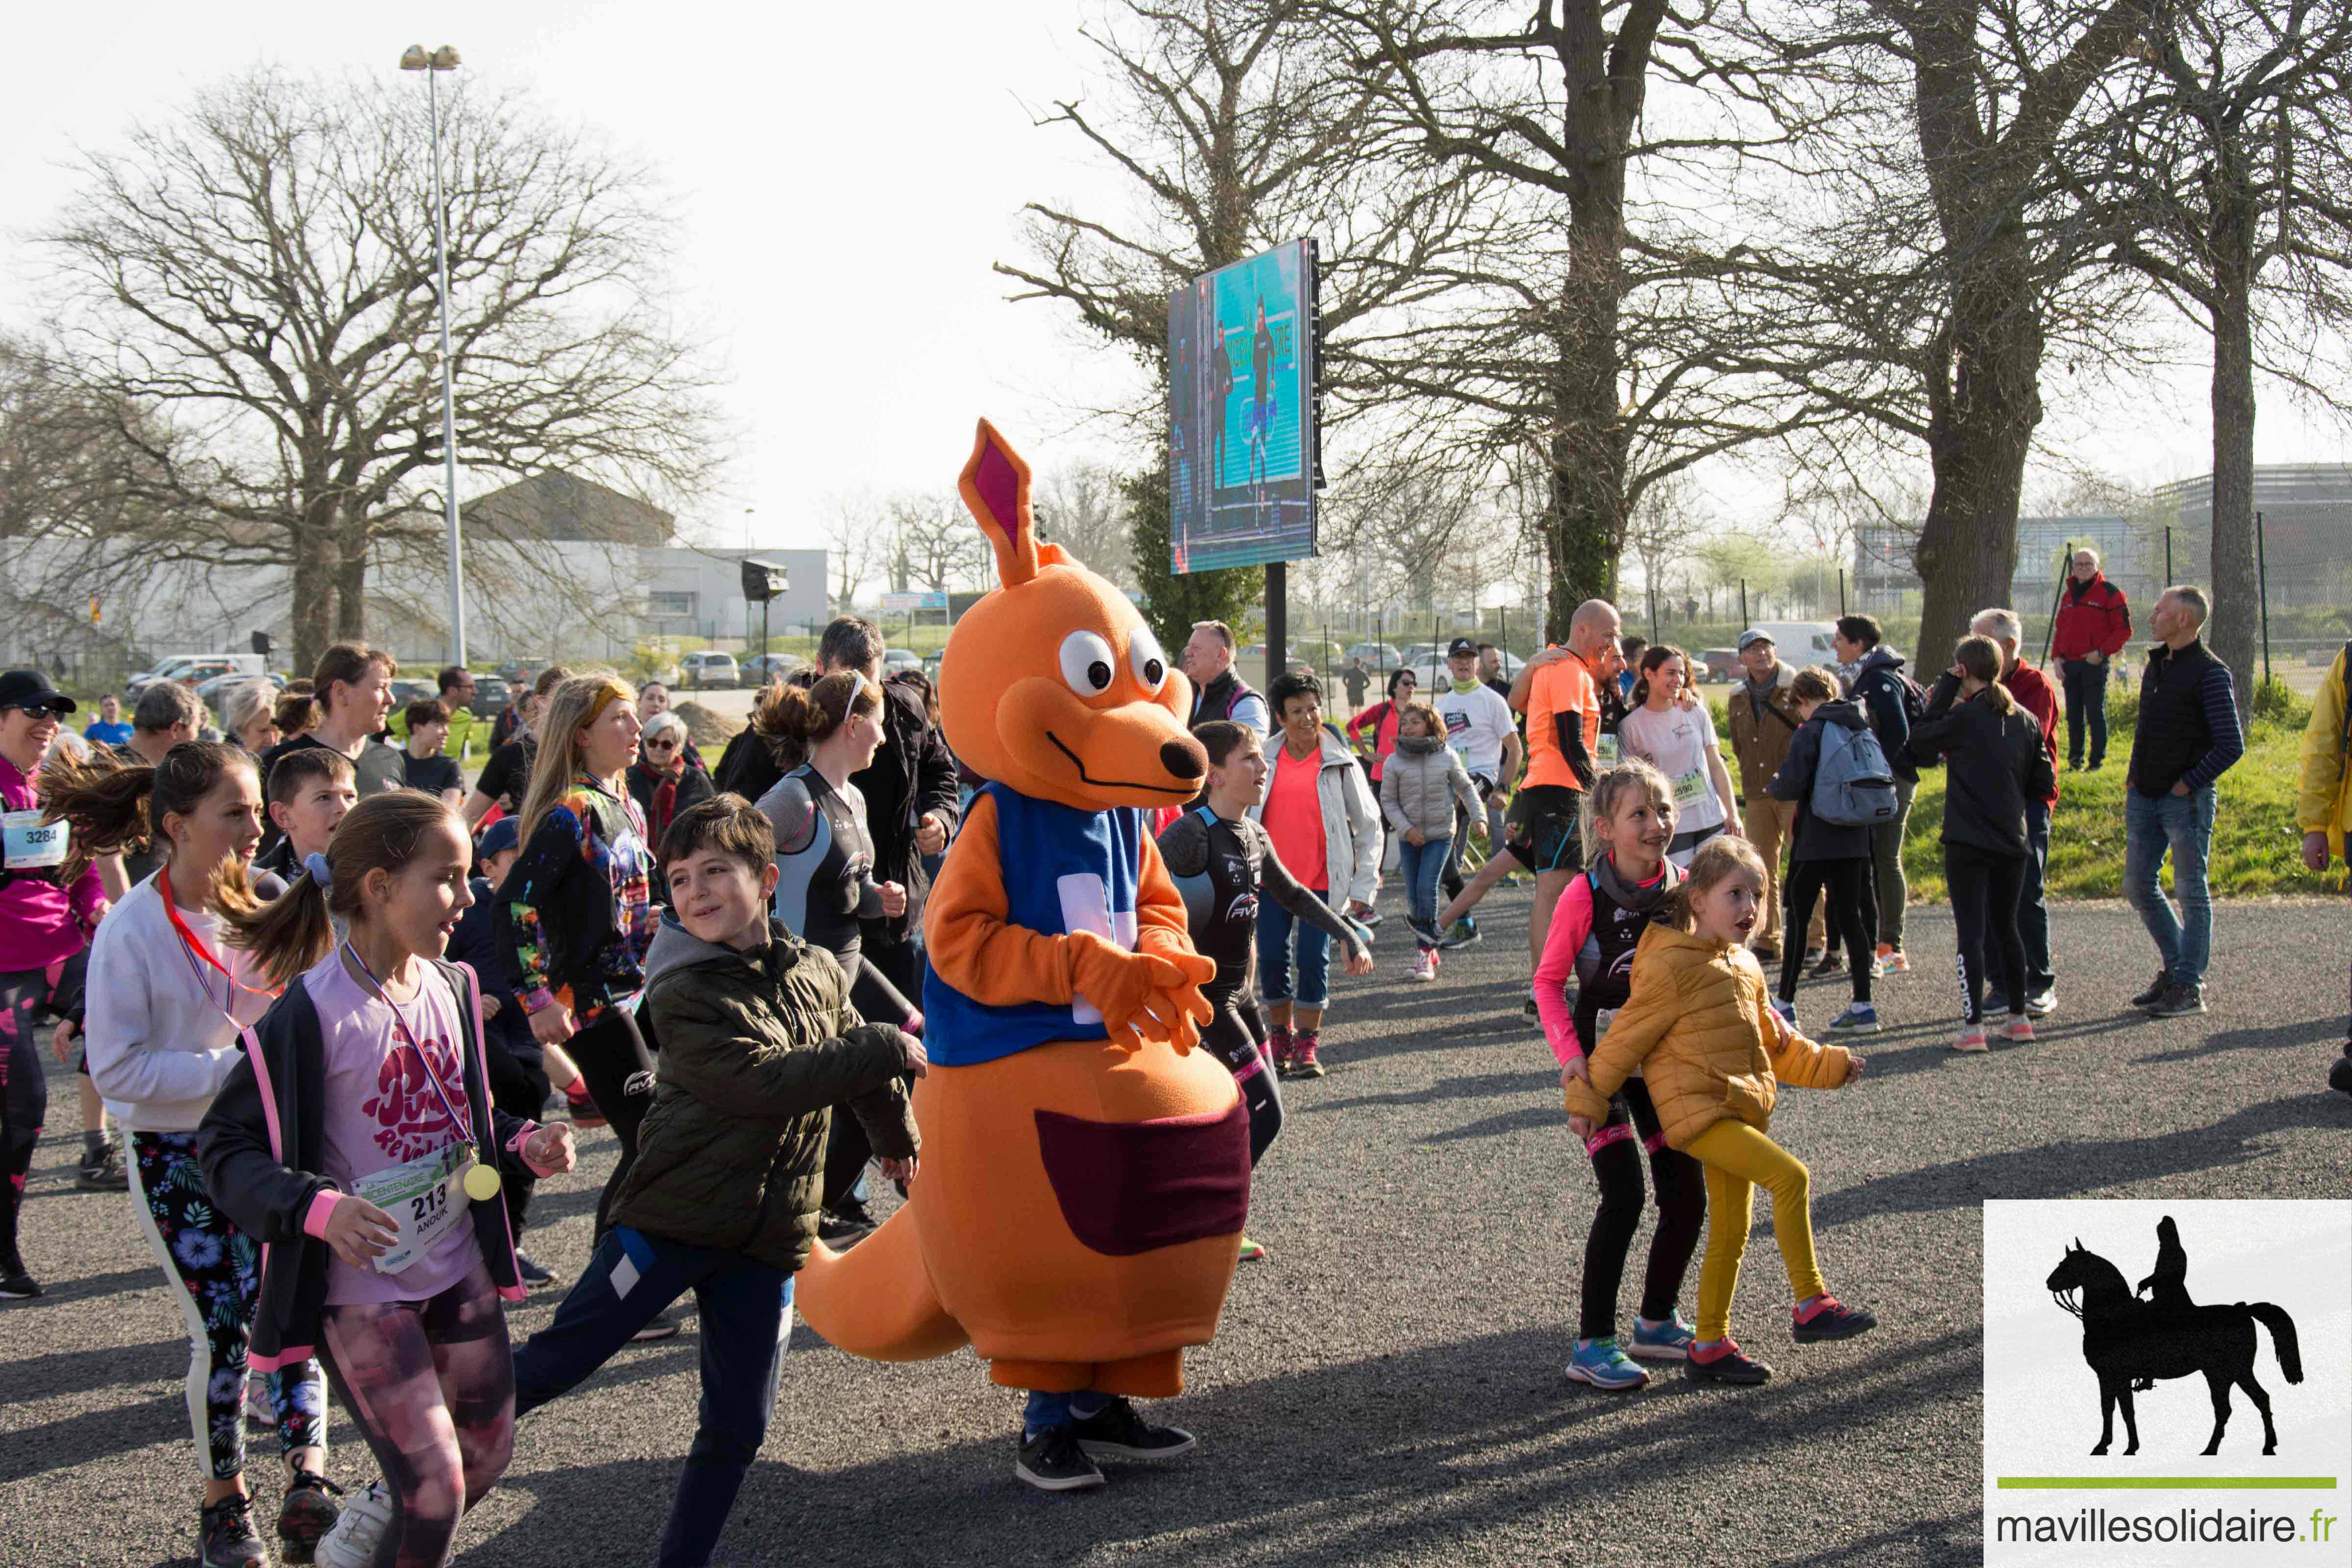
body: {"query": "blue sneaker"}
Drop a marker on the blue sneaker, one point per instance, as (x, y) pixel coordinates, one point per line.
(1670, 1340)
(1788, 1011)
(1603, 1365)
(1861, 1018)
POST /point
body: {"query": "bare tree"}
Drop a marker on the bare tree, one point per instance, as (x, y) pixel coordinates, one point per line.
(254, 279)
(857, 535)
(1666, 525)
(930, 540)
(1080, 507)
(2216, 168)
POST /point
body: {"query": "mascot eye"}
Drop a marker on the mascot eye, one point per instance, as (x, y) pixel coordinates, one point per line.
(1086, 664)
(1143, 655)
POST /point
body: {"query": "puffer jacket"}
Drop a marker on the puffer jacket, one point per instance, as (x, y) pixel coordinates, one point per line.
(756, 1049)
(2324, 785)
(1700, 1026)
(1762, 725)
(1423, 779)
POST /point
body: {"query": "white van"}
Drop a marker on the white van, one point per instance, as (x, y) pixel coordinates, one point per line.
(1800, 644)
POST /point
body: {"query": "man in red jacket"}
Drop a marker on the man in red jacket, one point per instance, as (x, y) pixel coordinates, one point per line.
(2038, 697)
(2093, 624)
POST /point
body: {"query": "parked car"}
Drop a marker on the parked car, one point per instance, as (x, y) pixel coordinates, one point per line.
(491, 694)
(1719, 664)
(193, 669)
(515, 667)
(759, 669)
(895, 660)
(1802, 644)
(405, 691)
(210, 689)
(1379, 656)
(708, 667)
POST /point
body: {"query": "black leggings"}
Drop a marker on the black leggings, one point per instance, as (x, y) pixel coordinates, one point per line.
(612, 1058)
(1235, 1036)
(1616, 1150)
(1984, 888)
(23, 1094)
(1853, 917)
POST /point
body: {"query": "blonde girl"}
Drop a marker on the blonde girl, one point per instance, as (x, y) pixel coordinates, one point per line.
(1700, 1026)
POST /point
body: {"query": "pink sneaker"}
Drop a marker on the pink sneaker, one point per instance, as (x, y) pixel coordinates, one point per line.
(1302, 1061)
(1972, 1039)
(2019, 1027)
(1281, 1042)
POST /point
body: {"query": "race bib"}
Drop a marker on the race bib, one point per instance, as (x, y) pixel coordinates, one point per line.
(1691, 788)
(424, 1198)
(33, 844)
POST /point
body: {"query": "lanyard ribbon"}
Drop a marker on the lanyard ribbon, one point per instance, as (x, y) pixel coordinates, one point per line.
(192, 948)
(456, 1121)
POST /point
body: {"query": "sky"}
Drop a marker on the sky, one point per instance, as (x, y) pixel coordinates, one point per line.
(843, 178)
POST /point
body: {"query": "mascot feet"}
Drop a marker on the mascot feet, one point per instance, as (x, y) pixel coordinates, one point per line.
(1062, 1436)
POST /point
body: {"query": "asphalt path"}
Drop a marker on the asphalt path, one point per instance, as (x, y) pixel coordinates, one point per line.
(1387, 1388)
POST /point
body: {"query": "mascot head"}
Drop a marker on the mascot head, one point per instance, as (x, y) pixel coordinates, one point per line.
(1053, 685)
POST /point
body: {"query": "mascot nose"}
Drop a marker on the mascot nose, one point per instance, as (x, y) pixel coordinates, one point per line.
(1181, 761)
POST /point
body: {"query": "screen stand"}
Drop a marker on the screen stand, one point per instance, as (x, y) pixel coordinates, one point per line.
(1277, 620)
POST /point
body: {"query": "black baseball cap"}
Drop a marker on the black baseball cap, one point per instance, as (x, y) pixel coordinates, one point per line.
(1459, 647)
(29, 688)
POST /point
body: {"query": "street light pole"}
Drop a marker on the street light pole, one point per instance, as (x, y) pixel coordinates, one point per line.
(441, 60)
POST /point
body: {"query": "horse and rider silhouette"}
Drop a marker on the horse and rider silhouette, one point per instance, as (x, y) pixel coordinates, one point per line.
(2130, 1343)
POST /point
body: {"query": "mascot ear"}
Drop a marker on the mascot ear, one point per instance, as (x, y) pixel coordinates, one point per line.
(996, 486)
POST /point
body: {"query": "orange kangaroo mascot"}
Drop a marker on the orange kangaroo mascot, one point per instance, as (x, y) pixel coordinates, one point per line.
(1084, 1169)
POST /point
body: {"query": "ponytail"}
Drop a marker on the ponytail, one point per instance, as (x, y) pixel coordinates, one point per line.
(794, 719)
(112, 808)
(296, 930)
(1980, 657)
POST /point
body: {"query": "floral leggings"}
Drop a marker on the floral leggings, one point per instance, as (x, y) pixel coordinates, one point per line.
(431, 1385)
(216, 1268)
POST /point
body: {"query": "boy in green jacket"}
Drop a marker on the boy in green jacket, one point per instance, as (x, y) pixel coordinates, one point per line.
(758, 1042)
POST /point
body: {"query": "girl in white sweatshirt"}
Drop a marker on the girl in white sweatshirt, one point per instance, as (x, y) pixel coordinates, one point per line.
(167, 999)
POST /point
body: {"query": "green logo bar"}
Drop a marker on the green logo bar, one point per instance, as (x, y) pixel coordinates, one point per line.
(2166, 1483)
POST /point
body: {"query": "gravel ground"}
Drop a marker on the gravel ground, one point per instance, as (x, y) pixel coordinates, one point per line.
(1387, 1388)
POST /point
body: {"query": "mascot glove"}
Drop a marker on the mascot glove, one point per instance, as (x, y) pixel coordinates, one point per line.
(1142, 997)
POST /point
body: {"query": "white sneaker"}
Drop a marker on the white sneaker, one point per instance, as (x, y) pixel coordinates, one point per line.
(1422, 969)
(353, 1542)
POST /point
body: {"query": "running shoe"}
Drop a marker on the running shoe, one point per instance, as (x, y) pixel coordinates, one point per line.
(1893, 960)
(1302, 1062)
(353, 1542)
(1765, 952)
(1600, 1364)
(305, 1515)
(1995, 1001)
(259, 1411)
(1465, 933)
(1053, 1461)
(2042, 1002)
(2019, 1028)
(1423, 971)
(103, 1172)
(1827, 1319)
(16, 1284)
(582, 1106)
(2178, 1000)
(1116, 1432)
(1861, 1018)
(1372, 918)
(1670, 1340)
(664, 1326)
(1529, 1012)
(225, 1537)
(1972, 1039)
(1252, 1252)
(536, 1276)
(2156, 990)
(1281, 1045)
(1788, 1011)
(2340, 1076)
(1725, 1363)
(1831, 963)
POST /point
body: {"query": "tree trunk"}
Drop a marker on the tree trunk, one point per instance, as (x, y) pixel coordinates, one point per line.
(350, 588)
(315, 560)
(1984, 403)
(2235, 589)
(1584, 511)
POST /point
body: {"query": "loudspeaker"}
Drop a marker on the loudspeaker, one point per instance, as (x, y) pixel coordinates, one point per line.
(763, 581)
(261, 644)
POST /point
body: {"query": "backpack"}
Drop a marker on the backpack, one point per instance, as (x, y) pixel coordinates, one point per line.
(1914, 696)
(1852, 785)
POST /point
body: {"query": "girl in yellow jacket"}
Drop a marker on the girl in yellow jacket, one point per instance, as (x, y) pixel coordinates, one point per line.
(1701, 1028)
(2323, 810)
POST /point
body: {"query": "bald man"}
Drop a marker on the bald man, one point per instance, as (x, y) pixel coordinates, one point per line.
(1560, 691)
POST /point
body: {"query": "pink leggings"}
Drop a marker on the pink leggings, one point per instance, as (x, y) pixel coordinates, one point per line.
(431, 1386)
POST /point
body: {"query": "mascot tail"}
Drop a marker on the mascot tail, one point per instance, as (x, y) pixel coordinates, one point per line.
(877, 1299)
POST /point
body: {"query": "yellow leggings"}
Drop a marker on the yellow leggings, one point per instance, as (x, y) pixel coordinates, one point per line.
(1739, 1160)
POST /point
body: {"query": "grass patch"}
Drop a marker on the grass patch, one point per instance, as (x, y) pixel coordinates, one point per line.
(2257, 848)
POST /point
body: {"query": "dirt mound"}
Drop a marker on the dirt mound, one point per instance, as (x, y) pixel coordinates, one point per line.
(705, 728)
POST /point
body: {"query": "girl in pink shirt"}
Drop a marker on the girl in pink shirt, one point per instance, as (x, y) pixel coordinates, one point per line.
(358, 1138)
(1628, 823)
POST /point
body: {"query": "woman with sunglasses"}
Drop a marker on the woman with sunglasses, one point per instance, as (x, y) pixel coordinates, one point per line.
(664, 781)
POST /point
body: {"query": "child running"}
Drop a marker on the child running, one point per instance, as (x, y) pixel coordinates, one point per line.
(1221, 861)
(1627, 886)
(1423, 780)
(165, 1003)
(357, 1140)
(1700, 1027)
(758, 1041)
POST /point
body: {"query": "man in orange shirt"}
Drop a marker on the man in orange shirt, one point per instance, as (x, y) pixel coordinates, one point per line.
(1560, 692)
